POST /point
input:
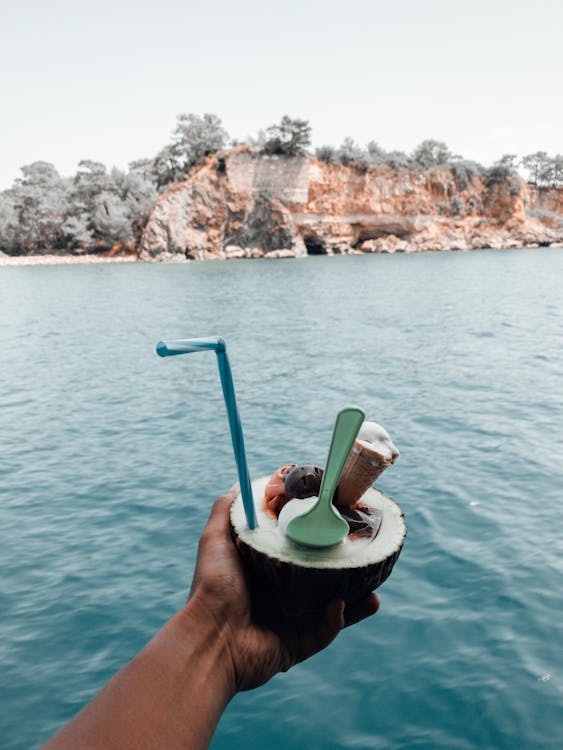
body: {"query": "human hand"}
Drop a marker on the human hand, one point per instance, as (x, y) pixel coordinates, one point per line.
(259, 639)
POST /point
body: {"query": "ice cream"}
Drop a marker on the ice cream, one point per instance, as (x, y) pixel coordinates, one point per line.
(303, 481)
(371, 454)
(363, 521)
(275, 496)
(289, 482)
(292, 484)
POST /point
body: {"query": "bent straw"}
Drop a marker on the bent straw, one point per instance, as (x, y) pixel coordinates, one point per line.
(217, 345)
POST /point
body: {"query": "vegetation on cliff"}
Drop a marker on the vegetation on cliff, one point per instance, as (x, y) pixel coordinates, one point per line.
(105, 210)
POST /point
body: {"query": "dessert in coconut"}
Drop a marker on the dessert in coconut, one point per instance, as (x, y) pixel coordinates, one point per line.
(307, 578)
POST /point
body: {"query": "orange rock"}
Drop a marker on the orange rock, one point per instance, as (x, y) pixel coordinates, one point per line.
(286, 206)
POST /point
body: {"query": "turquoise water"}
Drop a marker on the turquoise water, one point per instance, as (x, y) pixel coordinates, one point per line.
(111, 458)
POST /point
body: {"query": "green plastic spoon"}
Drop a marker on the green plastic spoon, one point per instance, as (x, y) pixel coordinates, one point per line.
(322, 525)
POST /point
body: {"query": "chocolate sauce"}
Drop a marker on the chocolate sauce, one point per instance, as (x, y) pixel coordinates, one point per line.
(364, 522)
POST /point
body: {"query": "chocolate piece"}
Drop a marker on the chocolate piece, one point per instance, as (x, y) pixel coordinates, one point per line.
(303, 481)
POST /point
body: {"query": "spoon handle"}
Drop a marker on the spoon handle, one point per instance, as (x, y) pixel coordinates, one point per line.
(348, 423)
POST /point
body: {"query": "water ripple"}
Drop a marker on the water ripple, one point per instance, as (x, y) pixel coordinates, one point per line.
(111, 457)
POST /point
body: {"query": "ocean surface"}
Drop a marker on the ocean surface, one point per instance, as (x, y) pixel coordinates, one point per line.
(110, 458)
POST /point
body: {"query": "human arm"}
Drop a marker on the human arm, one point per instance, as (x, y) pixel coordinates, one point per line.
(173, 693)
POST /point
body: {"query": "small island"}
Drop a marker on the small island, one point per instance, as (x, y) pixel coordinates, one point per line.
(271, 198)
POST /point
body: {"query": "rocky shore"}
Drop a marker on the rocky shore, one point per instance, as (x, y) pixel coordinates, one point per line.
(61, 260)
(244, 204)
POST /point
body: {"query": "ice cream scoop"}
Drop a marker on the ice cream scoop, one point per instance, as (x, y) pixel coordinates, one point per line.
(375, 437)
(303, 481)
(294, 508)
(275, 494)
(288, 482)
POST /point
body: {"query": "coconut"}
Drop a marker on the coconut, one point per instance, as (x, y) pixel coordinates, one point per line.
(305, 579)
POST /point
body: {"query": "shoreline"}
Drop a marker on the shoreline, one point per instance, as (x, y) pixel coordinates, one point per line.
(61, 260)
(70, 260)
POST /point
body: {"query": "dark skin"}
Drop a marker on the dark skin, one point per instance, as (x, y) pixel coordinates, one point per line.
(172, 694)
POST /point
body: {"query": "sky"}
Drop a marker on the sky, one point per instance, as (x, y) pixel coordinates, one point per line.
(105, 80)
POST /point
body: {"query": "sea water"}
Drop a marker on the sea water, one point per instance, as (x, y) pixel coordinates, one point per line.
(111, 457)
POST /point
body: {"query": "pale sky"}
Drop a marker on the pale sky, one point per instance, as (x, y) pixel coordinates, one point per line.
(105, 79)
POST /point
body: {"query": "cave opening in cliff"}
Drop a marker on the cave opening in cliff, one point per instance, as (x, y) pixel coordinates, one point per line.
(314, 247)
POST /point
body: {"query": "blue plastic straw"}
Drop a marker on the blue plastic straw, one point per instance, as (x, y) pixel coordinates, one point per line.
(217, 345)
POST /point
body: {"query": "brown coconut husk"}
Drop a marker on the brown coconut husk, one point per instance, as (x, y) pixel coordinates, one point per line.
(304, 579)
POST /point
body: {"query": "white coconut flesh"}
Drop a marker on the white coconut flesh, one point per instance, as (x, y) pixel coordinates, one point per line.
(270, 539)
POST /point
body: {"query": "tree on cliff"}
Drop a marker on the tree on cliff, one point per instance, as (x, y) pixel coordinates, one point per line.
(558, 170)
(539, 167)
(350, 152)
(376, 154)
(509, 161)
(197, 136)
(167, 166)
(503, 172)
(326, 154)
(464, 170)
(194, 137)
(255, 141)
(431, 153)
(290, 138)
(544, 170)
(399, 160)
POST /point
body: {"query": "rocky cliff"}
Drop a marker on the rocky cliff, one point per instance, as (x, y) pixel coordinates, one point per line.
(241, 203)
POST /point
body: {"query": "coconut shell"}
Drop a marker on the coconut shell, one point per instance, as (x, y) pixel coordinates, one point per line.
(306, 580)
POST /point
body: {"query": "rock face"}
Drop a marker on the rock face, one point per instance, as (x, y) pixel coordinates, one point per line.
(268, 227)
(243, 204)
(221, 211)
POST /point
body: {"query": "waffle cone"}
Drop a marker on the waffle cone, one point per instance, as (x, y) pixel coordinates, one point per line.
(360, 471)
